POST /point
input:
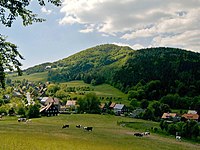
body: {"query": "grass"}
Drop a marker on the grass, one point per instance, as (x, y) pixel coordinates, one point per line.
(46, 133)
(32, 77)
(103, 90)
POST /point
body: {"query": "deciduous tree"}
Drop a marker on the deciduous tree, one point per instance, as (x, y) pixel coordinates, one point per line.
(9, 11)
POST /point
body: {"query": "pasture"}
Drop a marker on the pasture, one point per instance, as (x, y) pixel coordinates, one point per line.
(42, 76)
(103, 90)
(46, 133)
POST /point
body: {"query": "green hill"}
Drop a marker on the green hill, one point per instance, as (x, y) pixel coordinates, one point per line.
(173, 70)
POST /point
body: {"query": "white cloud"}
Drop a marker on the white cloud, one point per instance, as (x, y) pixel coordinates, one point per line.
(46, 11)
(135, 19)
(88, 29)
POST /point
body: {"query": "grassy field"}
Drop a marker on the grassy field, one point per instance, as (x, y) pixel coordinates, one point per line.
(46, 134)
(103, 90)
(33, 77)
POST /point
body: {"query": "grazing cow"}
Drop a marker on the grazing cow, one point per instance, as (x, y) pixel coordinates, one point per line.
(88, 128)
(78, 126)
(65, 126)
(28, 120)
(21, 119)
(178, 138)
(146, 133)
(138, 134)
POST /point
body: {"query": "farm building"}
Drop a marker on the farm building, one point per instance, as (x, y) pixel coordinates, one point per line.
(120, 109)
(191, 116)
(112, 105)
(48, 100)
(192, 112)
(168, 115)
(103, 108)
(49, 110)
(71, 105)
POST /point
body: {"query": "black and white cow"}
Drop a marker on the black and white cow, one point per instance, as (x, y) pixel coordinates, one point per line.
(65, 126)
(88, 128)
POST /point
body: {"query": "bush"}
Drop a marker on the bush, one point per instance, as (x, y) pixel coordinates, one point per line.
(33, 111)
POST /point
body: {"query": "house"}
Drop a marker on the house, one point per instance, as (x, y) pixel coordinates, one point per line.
(168, 115)
(112, 105)
(120, 109)
(48, 100)
(71, 105)
(103, 108)
(49, 110)
(191, 116)
(192, 112)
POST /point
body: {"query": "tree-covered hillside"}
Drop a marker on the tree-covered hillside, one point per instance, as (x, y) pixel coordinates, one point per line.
(159, 71)
(175, 69)
(94, 65)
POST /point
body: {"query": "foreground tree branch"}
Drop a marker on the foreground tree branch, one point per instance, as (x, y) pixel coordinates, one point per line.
(9, 11)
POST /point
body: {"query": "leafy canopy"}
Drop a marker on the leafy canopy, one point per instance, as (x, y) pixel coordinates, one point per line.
(9, 11)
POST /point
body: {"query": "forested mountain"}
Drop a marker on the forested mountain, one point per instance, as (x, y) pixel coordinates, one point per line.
(157, 71)
(95, 64)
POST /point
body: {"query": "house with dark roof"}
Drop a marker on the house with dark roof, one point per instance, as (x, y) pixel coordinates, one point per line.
(120, 109)
(48, 100)
(49, 110)
(50, 106)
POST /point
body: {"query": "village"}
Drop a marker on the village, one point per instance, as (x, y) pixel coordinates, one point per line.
(29, 93)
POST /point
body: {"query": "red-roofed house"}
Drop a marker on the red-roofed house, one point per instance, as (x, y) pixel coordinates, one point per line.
(168, 115)
(191, 116)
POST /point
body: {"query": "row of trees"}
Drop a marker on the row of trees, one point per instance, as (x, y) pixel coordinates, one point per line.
(154, 90)
(188, 129)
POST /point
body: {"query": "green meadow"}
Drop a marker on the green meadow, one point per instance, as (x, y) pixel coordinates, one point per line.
(32, 77)
(46, 133)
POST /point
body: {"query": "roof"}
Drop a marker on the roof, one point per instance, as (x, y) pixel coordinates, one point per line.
(112, 105)
(168, 115)
(47, 100)
(191, 116)
(71, 103)
(46, 107)
(119, 106)
(44, 99)
(102, 106)
(192, 112)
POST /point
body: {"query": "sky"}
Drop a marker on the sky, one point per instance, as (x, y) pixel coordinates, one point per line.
(81, 24)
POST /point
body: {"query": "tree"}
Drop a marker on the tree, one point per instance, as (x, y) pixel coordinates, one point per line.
(134, 103)
(144, 104)
(33, 111)
(148, 114)
(52, 89)
(21, 111)
(8, 59)
(89, 104)
(9, 11)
